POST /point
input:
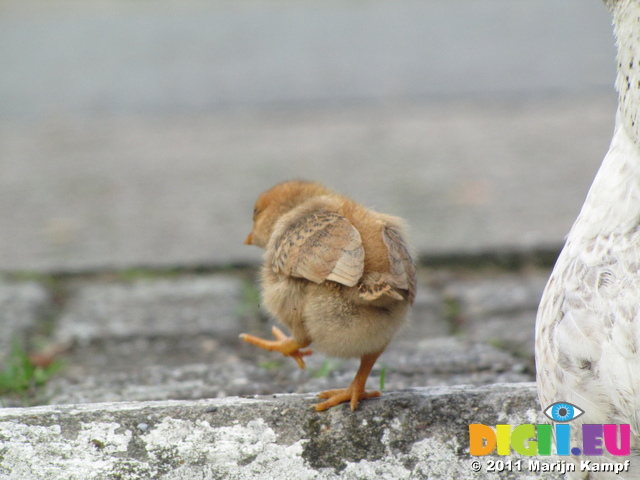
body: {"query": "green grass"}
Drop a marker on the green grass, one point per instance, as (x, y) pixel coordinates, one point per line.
(250, 303)
(453, 313)
(328, 366)
(382, 375)
(20, 376)
(270, 366)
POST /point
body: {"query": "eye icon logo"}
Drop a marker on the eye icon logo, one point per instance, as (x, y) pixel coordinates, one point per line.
(563, 412)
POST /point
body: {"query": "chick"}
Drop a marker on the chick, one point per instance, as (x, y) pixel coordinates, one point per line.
(337, 274)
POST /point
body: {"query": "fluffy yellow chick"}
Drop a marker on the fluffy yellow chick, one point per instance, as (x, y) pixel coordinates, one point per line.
(337, 274)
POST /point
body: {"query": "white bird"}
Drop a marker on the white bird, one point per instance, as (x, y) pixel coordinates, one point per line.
(588, 323)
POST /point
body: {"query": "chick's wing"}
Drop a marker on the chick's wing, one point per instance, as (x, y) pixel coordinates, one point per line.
(402, 272)
(319, 246)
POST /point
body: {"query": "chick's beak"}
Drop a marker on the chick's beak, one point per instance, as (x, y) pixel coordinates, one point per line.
(249, 240)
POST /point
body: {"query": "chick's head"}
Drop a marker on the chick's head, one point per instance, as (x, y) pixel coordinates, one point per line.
(277, 201)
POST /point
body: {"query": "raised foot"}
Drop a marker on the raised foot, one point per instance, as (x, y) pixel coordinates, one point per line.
(349, 394)
(287, 346)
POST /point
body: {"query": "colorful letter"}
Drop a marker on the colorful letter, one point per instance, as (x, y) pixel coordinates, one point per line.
(503, 432)
(521, 434)
(611, 439)
(544, 439)
(478, 435)
(563, 438)
(592, 439)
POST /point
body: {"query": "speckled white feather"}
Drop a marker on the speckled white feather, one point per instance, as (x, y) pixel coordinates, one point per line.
(588, 324)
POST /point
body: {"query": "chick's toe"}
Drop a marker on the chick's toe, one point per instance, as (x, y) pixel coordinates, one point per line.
(287, 346)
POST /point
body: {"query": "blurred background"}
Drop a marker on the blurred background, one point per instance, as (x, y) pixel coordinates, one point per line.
(139, 133)
(136, 135)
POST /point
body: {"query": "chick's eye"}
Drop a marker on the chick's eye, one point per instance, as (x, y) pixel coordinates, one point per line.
(563, 412)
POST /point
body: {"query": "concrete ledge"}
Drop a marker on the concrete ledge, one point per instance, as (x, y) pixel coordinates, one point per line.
(416, 433)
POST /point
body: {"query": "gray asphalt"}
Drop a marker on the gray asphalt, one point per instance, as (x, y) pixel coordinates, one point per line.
(137, 134)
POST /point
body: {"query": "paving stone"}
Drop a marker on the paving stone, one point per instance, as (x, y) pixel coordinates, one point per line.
(498, 294)
(500, 310)
(240, 369)
(514, 332)
(153, 308)
(22, 305)
(416, 433)
(167, 338)
(426, 319)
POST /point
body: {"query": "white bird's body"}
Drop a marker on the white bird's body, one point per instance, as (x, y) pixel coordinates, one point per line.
(588, 324)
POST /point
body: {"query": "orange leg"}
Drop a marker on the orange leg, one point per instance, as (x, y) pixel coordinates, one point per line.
(354, 392)
(287, 346)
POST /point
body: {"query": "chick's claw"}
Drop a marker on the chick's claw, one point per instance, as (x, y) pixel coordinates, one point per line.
(287, 346)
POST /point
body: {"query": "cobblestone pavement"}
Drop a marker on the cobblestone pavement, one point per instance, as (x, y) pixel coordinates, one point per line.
(153, 378)
(143, 335)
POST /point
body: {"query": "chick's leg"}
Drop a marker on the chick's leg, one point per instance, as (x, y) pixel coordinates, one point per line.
(354, 392)
(287, 346)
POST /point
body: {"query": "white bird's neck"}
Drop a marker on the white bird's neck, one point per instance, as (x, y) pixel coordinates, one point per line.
(612, 207)
(626, 19)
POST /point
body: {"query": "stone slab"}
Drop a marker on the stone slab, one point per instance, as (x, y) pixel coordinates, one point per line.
(416, 433)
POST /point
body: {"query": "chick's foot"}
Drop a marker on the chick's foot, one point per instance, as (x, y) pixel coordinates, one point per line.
(354, 392)
(287, 346)
(349, 394)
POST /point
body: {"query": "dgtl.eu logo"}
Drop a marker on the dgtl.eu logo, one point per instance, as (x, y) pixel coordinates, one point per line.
(529, 439)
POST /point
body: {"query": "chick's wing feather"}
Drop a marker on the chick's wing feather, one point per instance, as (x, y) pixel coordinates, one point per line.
(320, 246)
(402, 272)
